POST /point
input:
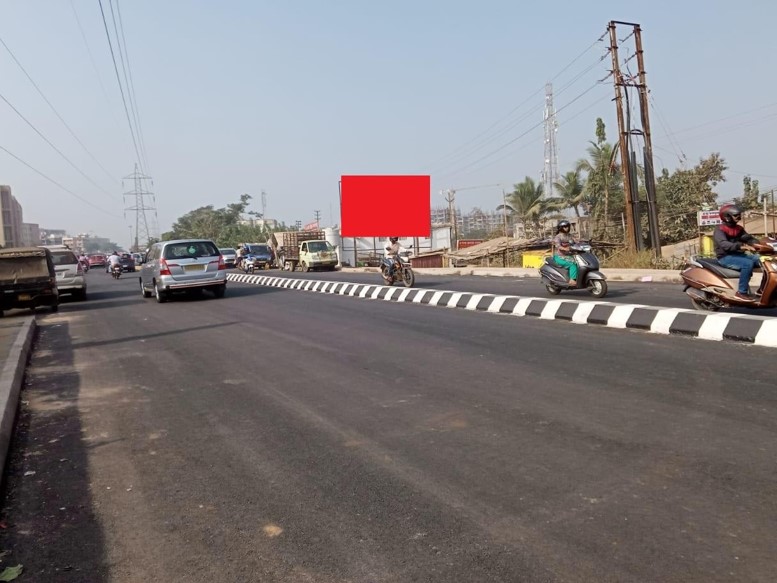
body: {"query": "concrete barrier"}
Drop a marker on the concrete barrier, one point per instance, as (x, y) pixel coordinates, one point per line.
(11, 379)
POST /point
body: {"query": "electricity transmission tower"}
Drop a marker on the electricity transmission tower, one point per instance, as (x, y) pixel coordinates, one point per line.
(550, 169)
(140, 195)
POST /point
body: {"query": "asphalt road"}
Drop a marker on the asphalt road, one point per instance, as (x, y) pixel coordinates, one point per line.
(666, 295)
(277, 435)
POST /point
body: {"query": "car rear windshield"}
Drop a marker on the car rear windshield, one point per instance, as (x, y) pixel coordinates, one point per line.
(191, 250)
(258, 248)
(64, 258)
(232, 251)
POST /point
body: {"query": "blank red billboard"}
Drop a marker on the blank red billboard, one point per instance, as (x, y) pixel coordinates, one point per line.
(385, 206)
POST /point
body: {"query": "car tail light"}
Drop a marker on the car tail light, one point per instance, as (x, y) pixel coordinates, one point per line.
(222, 265)
(163, 268)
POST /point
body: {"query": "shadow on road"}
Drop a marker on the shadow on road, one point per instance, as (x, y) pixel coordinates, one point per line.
(49, 524)
(155, 335)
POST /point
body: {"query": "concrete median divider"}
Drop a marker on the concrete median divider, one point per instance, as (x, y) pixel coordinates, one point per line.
(758, 330)
(16, 336)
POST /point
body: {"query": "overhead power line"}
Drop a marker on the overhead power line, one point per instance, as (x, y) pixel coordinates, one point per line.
(124, 58)
(57, 150)
(530, 143)
(530, 113)
(532, 128)
(517, 107)
(121, 88)
(91, 59)
(54, 109)
(81, 198)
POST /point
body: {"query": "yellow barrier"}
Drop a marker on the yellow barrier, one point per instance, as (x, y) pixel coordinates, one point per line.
(534, 259)
(707, 245)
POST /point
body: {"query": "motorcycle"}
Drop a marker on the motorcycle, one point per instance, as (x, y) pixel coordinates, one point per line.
(556, 278)
(116, 271)
(712, 286)
(402, 270)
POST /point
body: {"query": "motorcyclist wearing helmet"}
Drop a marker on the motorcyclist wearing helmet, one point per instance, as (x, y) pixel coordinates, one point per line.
(392, 249)
(563, 255)
(731, 243)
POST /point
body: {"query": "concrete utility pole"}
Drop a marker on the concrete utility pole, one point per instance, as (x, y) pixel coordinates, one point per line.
(504, 211)
(628, 157)
(317, 214)
(450, 197)
(264, 205)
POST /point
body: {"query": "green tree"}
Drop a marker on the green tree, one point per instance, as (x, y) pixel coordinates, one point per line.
(221, 225)
(603, 191)
(683, 193)
(529, 205)
(750, 195)
(570, 190)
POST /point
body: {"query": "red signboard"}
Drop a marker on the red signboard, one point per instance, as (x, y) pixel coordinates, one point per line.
(311, 226)
(385, 206)
(464, 243)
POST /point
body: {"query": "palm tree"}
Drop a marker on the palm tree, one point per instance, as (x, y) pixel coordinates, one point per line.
(528, 203)
(603, 178)
(570, 189)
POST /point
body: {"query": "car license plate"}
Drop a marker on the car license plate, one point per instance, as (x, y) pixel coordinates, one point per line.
(191, 268)
(24, 297)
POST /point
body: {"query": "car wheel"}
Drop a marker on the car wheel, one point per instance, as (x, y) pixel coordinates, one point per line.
(161, 296)
(146, 294)
(219, 291)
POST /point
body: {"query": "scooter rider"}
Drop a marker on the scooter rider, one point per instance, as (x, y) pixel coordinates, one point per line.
(563, 255)
(392, 250)
(731, 242)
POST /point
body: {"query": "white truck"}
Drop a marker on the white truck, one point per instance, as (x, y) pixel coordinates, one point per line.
(306, 249)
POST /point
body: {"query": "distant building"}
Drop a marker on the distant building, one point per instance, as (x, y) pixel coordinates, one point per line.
(259, 223)
(30, 234)
(52, 236)
(11, 232)
(476, 220)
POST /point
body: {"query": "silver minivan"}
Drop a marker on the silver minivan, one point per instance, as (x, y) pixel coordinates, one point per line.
(70, 272)
(181, 265)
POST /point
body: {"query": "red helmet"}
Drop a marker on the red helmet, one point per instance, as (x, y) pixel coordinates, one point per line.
(730, 214)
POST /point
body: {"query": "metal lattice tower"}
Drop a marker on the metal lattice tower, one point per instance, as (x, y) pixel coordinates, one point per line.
(143, 231)
(550, 169)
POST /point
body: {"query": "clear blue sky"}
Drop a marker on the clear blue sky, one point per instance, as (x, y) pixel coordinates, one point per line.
(238, 96)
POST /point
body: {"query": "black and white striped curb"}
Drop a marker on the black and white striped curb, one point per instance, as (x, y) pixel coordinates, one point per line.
(708, 326)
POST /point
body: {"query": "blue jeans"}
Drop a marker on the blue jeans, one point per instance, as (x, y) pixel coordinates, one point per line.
(389, 261)
(744, 264)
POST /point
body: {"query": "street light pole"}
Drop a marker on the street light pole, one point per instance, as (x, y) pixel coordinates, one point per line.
(130, 228)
